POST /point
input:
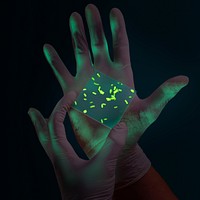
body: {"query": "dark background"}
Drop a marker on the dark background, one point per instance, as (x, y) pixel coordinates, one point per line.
(164, 38)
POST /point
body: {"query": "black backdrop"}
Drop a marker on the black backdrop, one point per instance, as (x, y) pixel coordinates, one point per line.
(164, 42)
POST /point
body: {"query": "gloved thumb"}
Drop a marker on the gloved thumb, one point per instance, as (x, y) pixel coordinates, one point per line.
(162, 95)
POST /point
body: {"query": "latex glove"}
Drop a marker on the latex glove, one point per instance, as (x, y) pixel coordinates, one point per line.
(77, 178)
(141, 112)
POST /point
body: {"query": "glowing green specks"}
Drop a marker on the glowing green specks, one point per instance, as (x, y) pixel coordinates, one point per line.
(100, 91)
(113, 92)
(108, 99)
(116, 91)
(98, 75)
(132, 90)
(104, 119)
(126, 102)
(113, 97)
(103, 104)
(104, 99)
(119, 83)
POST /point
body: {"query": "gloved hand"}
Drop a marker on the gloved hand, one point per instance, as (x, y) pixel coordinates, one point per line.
(141, 112)
(77, 178)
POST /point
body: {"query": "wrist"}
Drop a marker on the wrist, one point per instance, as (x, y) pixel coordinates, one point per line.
(100, 191)
(132, 165)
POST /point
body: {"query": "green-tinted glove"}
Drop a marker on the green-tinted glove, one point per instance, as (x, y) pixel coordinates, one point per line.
(77, 178)
(140, 114)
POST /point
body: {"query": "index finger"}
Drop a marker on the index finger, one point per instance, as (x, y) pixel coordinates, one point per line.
(62, 74)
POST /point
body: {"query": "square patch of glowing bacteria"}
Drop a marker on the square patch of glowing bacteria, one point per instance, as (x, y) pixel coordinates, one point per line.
(104, 99)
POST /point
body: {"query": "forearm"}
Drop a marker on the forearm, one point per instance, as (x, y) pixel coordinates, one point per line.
(150, 187)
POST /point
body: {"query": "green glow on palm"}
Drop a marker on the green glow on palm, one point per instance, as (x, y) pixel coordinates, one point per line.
(104, 99)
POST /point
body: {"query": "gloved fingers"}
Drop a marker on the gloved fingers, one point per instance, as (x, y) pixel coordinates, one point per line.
(40, 124)
(98, 40)
(119, 37)
(162, 95)
(113, 145)
(60, 144)
(62, 74)
(55, 123)
(80, 45)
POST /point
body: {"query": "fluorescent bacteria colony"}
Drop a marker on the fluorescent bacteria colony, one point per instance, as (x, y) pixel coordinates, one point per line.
(104, 99)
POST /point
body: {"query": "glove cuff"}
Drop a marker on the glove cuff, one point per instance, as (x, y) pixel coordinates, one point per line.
(131, 166)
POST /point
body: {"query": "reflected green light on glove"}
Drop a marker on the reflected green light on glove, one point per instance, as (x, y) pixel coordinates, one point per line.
(104, 99)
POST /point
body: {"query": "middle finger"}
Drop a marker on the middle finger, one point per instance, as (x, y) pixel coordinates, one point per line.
(80, 45)
(99, 44)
